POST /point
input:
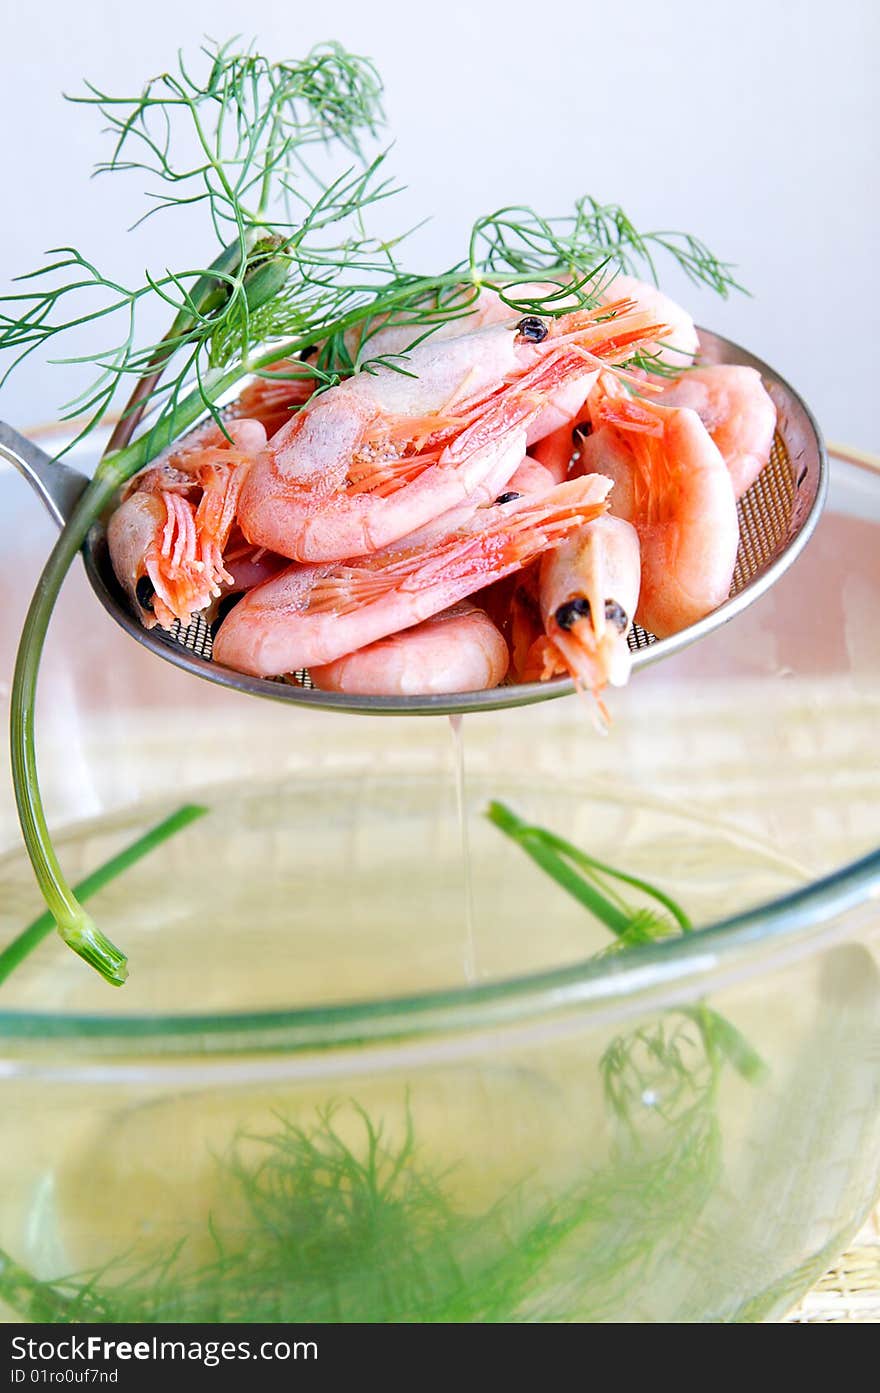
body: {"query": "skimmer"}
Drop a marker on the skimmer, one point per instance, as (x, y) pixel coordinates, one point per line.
(776, 516)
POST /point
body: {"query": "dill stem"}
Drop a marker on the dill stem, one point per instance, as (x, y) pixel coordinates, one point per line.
(535, 844)
(226, 264)
(721, 1036)
(134, 409)
(74, 924)
(554, 848)
(25, 942)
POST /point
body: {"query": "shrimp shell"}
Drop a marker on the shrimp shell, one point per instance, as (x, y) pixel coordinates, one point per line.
(458, 650)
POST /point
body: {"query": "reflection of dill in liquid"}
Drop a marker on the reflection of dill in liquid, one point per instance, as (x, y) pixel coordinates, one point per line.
(329, 1231)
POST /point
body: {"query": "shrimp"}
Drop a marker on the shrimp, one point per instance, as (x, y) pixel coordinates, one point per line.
(736, 410)
(178, 469)
(480, 311)
(312, 615)
(575, 615)
(131, 536)
(588, 591)
(288, 385)
(559, 450)
(681, 344)
(672, 484)
(383, 453)
(167, 536)
(458, 650)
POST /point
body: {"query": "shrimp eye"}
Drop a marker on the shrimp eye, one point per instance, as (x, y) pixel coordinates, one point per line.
(144, 592)
(568, 614)
(616, 615)
(507, 497)
(532, 328)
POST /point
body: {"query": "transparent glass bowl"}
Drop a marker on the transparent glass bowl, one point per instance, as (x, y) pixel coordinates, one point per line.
(347, 1080)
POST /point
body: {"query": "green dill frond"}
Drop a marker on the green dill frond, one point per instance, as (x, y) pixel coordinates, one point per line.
(234, 134)
(231, 139)
(606, 226)
(338, 1220)
(592, 244)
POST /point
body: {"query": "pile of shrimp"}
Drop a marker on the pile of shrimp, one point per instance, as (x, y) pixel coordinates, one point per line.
(502, 511)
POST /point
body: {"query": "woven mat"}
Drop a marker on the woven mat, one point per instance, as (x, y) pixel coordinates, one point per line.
(849, 1293)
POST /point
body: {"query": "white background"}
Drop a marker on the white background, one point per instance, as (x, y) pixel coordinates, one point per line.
(753, 125)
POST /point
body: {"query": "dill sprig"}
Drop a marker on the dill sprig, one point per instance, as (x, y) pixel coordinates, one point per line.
(248, 122)
(594, 883)
(606, 226)
(244, 128)
(597, 240)
(294, 267)
(339, 1221)
(317, 1227)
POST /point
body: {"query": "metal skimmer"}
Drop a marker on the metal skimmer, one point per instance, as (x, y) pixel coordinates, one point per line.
(776, 517)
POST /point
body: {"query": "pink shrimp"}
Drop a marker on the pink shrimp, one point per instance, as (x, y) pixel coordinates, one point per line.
(736, 410)
(672, 484)
(168, 535)
(458, 650)
(480, 311)
(377, 457)
(589, 591)
(312, 615)
(580, 608)
(287, 385)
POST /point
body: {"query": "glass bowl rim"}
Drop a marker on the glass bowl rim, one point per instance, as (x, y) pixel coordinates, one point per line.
(663, 974)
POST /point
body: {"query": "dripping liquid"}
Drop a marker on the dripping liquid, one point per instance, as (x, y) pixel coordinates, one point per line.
(470, 945)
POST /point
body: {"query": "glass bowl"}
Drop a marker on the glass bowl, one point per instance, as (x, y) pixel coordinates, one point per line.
(373, 1065)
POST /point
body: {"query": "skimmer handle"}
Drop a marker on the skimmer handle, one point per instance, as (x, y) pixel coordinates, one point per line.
(55, 483)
